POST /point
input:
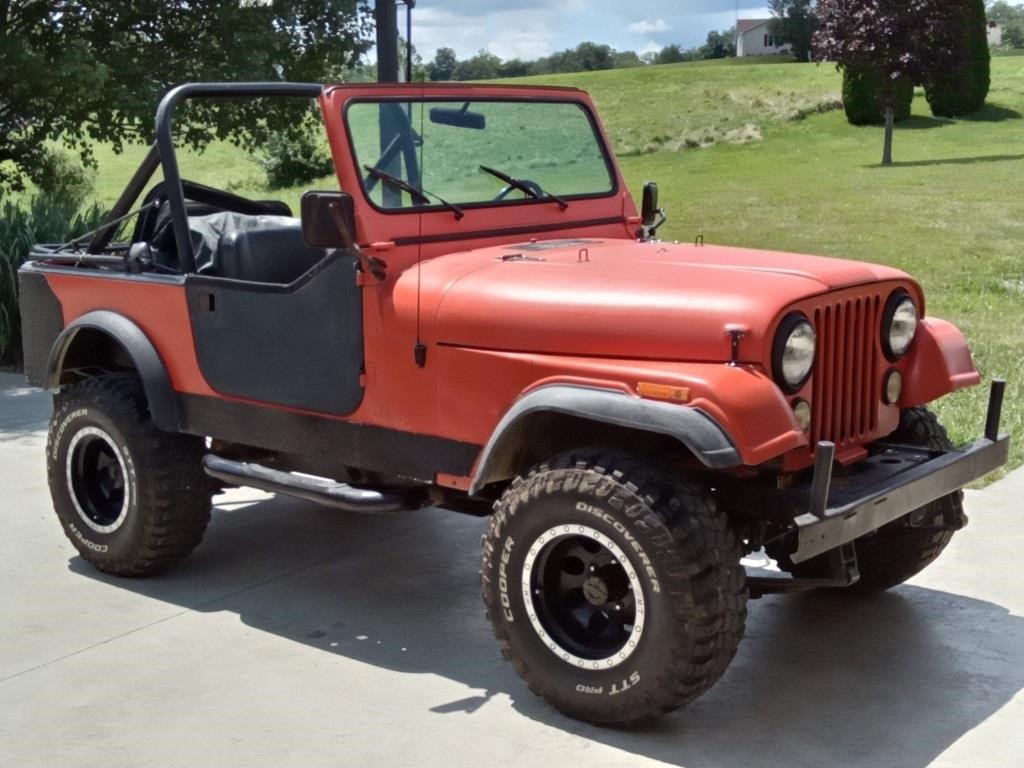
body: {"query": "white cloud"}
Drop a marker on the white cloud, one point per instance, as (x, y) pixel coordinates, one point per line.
(526, 43)
(523, 32)
(646, 26)
(528, 29)
(649, 47)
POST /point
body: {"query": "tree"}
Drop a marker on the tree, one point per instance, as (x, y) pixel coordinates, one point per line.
(860, 96)
(1014, 37)
(419, 69)
(484, 66)
(626, 59)
(94, 70)
(514, 68)
(593, 56)
(719, 45)
(959, 91)
(670, 54)
(904, 41)
(794, 25)
(443, 66)
(1005, 13)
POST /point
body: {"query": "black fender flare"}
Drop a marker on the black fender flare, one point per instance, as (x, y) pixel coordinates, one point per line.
(692, 427)
(163, 404)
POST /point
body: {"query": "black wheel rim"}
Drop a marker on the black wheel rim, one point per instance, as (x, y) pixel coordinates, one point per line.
(585, 599)
(96, 478)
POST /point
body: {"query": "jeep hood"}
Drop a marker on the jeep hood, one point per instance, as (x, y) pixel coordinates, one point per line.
(620, 298)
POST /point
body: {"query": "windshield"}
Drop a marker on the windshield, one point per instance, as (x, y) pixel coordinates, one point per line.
(481, 152)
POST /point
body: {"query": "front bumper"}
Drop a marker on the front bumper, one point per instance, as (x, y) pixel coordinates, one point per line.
(891, 483)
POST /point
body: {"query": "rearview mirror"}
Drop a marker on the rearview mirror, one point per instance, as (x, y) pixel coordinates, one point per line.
(459, 118)
(328, 219)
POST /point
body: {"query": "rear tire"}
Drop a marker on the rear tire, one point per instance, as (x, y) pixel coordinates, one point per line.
(131, 498)
(614, 589)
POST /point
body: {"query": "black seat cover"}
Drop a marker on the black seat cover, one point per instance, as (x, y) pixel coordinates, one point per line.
(267, 255)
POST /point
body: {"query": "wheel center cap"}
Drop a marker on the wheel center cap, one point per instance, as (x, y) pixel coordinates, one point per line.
(595, 590)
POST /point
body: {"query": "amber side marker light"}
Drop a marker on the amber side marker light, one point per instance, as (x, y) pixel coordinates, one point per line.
(663, 392)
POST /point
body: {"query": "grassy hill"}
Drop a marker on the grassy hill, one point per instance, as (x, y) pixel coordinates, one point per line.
(751, 155)
(697, 104)
(950, 212)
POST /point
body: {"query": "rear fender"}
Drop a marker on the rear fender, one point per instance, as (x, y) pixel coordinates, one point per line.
(135, 344)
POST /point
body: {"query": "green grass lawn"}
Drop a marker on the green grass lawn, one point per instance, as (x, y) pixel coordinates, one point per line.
(751, 155)
(698, 104)
(950, 212)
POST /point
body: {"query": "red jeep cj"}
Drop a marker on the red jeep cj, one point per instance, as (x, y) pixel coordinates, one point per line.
(481, 320)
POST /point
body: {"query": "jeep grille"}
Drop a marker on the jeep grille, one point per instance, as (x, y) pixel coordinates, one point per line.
(846, 374)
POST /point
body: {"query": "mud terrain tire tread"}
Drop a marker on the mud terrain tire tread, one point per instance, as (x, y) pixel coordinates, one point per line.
(897, 552)
(705, 580)
(172, 507)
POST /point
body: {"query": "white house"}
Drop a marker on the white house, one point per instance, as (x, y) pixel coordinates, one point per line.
(754, 38)
(995, 33)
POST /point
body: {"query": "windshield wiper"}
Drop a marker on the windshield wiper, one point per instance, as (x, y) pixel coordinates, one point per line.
(531, 188)
(418, 195)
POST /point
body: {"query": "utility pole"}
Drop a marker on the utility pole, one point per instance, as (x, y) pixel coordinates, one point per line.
(386, 14)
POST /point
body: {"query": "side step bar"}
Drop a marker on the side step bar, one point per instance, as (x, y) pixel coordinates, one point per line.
(321, 490)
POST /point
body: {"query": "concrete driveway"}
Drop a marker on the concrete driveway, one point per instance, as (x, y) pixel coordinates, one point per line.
(298, 636)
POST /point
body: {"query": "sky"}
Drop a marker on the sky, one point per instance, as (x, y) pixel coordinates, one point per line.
(529, 29)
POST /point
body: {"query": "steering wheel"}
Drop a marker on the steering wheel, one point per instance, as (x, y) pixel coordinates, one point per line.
(538, 191)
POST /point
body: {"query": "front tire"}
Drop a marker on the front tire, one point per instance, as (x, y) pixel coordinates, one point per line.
(131, 498)
(614, 589)
(905, 547)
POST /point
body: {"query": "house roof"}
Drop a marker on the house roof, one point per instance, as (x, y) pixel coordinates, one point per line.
(745, 25)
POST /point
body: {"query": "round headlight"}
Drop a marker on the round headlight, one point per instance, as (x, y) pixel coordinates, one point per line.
(899, 326)
(793, 352)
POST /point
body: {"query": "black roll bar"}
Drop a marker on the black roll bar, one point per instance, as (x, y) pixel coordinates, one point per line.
(165, 144)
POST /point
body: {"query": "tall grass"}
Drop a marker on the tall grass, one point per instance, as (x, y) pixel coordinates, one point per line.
(45, 218)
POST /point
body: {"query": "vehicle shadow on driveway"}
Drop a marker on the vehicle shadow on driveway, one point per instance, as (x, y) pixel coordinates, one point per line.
(819, 679)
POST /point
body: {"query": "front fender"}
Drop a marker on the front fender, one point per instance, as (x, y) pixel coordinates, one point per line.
(939, 363)
(692, 427)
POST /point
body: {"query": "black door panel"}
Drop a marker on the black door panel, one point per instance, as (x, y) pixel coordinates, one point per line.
(298, 345)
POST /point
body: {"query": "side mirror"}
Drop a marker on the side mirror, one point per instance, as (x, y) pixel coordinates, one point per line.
(651, 215)
(328, 219)
(649, 210)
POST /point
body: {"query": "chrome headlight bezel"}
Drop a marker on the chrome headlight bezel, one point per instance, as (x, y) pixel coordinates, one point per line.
(901, 317)
(792, 366)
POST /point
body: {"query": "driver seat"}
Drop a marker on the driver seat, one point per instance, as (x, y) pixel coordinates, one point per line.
(274, 254)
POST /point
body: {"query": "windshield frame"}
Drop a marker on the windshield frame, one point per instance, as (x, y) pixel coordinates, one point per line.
(595, 127)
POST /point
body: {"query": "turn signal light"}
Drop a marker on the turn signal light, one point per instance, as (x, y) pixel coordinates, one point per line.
(893, 387)
(663, 392)
(802, 411)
